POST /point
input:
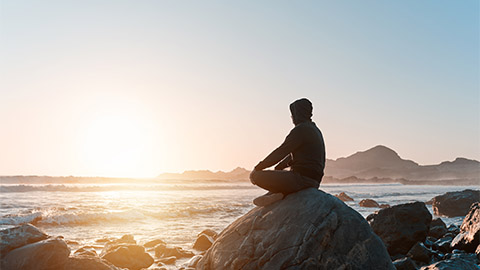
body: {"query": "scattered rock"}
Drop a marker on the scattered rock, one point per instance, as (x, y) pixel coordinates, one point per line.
(401, 226)
(167, 260)
(405, 264)
(192, 263)
(453, 229)
(419, 253)
(309, 229)
(127, 239)
(209, 232)
(203, 242)
(344, 197)
(469, 237)
(128, 256)
(386, 205)
(368, 203)
(88, 263)
(438, 222)
(18, 237)
(454, 264)
(454, 204)
(429, 202)
(86, 251)
(443, 244)
(471, 257)
(153, 243)
(437, 228)
(165, 251)
(46, 254)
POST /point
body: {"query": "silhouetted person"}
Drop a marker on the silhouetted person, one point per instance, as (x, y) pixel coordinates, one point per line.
(303, 151)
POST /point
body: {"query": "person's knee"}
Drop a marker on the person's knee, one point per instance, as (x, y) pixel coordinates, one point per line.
(253, 177)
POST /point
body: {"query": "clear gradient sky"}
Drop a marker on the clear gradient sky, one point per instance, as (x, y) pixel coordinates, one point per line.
(136, 88)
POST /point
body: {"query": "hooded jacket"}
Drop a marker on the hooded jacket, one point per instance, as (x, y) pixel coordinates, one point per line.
(303, 149)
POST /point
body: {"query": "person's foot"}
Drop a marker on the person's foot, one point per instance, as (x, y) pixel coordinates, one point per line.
(268, 199)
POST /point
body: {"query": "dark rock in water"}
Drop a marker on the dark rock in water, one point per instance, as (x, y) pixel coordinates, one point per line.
(86, 251)
(153, 243)
(429, 241)
(438, 222)
(209, 232)
(437, 231)
(128, 256)
(454, 264)
(309, 229)
(386, 205)
(454, 204)
(166, 251)
(203, 242)
(469, 237)
(401, 226)
(344, 197)
(46, 254)
(429, 202)
(88, 263)
(443, 244)
(419, 253)
(453, 229)
(18, 237)
(368, 203)
(405, 264)
(471, 257)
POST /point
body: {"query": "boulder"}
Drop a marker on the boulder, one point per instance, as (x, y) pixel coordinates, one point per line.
(209, 232)
(454, 204)
(368, 203)
(192, 263)
(153, 243)
(437, 228)
(203, 242)
(46, 254)
(166, 251)
(384, 205)
(309, 229)
(167, 260)
(401, 226)
(88, 263)
(443, 244)
(405, 263)
(419, 253)
(469, 237)
(18, 237)
(453, 264)
(127, 256)
(86, 251)
(344, 197)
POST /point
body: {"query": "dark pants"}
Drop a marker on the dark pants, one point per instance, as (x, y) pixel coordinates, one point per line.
(285, 182)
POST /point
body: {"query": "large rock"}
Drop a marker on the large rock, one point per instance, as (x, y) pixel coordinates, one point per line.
(309, 229)
(469, 237)
(128, 256)
(453, 264)
(401, 226)
(454, 204)
(203, 242)
(88, 263)
(47, 254)
(18, 237)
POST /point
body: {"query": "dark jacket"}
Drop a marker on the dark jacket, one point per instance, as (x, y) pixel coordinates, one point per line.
(303, 149)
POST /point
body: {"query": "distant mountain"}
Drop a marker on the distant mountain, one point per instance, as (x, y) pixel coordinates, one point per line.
(236, 174)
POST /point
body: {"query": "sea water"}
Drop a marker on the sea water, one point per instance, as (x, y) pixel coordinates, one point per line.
(173, 211)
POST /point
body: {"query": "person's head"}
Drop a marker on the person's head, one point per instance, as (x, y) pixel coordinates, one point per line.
(301, 110)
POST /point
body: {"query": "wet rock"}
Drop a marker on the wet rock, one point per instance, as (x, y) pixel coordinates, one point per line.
(192, 263)
(438, 222)
(368, 203)
(18, 237)
(344, 197)
(153, 243)
(386, 205)
(471, 257)
(401, 226)
(166, 251)
(203, 242)
(167, 260)
(88, 263)
(454, 204)
(209, 232)
(46, 254)
(86, 251)
(453, 229)
(127, 256)
(437, 232)
(309, 229)
(127, 239)
(469, 237)
(443, 244)
(405, 263)
(429, 202)
(419, 253)
(454, 264)
(429, 241)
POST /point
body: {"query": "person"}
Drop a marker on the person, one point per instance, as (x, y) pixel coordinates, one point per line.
(303, 151)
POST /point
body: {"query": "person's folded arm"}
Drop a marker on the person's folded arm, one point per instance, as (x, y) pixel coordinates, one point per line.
(292, 142)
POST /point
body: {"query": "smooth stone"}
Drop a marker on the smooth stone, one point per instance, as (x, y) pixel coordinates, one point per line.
(344, 197)
(454, 264)
(209, 232)
(437, 231)
(19, 236)
(309, 229)
(405, 263)
(203, 242)
(128, 256)
(401, 226)
(368, 203)
(86, 251)
(51, 253)
(192, 263)
(88, 263)
(456, 203)
(438, 222)
(153, 243)
(469, 237)
(419, 253)
(166, 251)
(386, 205)
(167, 260)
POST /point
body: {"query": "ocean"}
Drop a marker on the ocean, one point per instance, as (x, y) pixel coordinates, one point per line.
(174, 211)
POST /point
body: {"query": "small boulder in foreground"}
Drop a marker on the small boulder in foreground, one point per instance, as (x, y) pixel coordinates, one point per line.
(309, 229)
(19, 236)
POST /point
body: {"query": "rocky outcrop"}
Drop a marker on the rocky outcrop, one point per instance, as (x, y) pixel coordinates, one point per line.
(18, 237)
(128, 256)
(306, 230)
(401, 226)
(46, 254)
(454, 204)
(344, 197)
(368, 203)
(451, 265)
(469, 237)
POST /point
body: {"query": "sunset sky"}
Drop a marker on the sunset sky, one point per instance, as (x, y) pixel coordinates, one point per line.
(137, 88)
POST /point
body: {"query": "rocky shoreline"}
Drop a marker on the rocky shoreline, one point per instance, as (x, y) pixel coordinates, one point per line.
(309, 229)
